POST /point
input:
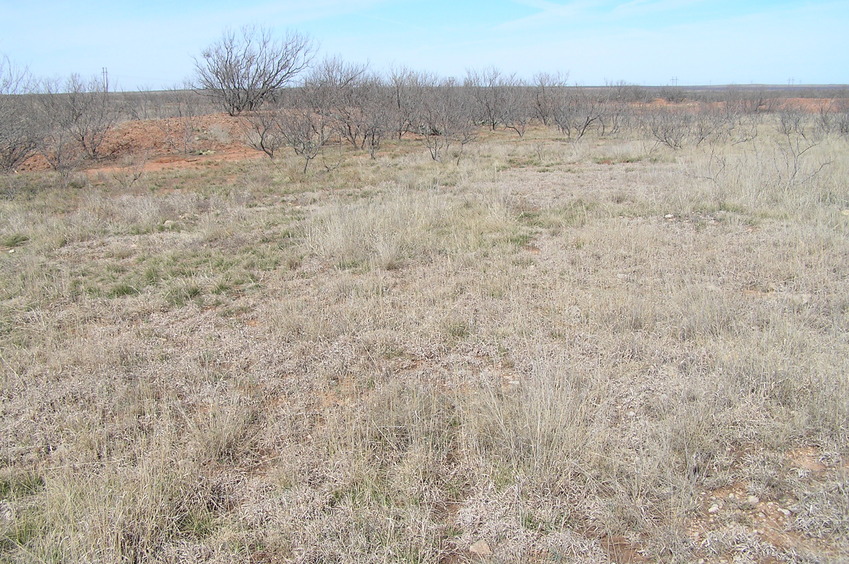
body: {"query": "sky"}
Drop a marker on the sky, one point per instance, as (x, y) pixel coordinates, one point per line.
(152, 44)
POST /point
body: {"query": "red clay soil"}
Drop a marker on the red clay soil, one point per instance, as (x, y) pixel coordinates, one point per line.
(167, 143)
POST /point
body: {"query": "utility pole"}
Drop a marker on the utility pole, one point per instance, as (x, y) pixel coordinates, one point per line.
(105, 73)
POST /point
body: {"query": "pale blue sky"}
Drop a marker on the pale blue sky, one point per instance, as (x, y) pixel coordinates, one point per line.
(152, 43)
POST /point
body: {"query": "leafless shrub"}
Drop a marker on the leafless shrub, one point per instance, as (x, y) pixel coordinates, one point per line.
(709, 124)
(843, 123)
(625, 92)
(407, 92)
(576, 111)
(676, 128)
(334, 91)
(796, 140)
(131, 169)
(519, 109)
(792, 123)
(331, 103)
(547, 90)
(839, 120)
(673, 94)
(742, 128)
(618, 113)
(76, 116)
(305, 131)
(263, 131)
(755, 101)
(445, 119)
(18, 130)
(355, 100)
(377, 113)
(669, 128)
(826, 118)
(490, 90)
(241, 71)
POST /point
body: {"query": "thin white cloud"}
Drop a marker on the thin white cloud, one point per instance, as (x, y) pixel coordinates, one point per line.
(551, 11)
(296, 12)
(598, 12)
(644, 7)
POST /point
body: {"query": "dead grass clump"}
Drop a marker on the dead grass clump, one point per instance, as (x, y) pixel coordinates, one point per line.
(404, 226)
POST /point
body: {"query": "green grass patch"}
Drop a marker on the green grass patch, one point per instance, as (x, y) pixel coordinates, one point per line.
(121, 290)
(180, 295)
(23, 484)
(13, 240)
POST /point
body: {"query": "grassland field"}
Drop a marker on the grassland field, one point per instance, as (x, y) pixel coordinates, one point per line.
(542, 350)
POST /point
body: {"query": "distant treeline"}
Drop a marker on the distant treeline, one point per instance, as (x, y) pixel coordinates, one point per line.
(286, 100)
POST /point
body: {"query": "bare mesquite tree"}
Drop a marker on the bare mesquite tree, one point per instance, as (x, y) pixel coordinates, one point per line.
(519, 106)
(619, 100)
(242, 70)
(336, 100)
(489, 90)
(75, 116)
(408, 89)
(18, 130)
(355, 101)
(703, 123)
(576, 110)
(833, 117)
(306, 121)
(378, 112)
(547, 93)
(499, 99)
(294, 124)
(335, 91)
(302, 118)
(446, 118)
(307, 133)
(263, 132)
(750, 100)
(670, 127)
(798, 135)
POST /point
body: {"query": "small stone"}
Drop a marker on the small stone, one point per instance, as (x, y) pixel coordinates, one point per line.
(753, 500)
(631, 414)
(481, 548)
(785, 512)
(7, 513)
(714, 508)
(669, 216)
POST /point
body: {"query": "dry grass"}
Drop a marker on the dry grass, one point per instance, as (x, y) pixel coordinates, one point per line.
(571, 352)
